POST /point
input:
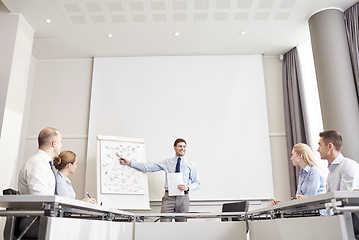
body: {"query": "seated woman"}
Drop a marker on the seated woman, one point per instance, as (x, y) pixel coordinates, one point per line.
(311, 178)
(66, 164)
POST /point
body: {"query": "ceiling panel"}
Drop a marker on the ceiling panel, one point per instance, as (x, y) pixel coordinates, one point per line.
(171, 27)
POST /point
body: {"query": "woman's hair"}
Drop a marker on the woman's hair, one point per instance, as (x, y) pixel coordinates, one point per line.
(308, 155)
(63, 159)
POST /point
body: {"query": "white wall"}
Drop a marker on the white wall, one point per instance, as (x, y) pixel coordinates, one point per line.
(15, 60)
(274, 91)
(61, 98)
(16, 45)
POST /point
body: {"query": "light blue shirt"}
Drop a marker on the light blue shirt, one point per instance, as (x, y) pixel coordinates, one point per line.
(188, 168)
(64, 186)
(311, 181)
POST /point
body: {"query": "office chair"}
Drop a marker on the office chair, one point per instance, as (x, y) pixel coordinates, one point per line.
(12, 223)
(241, 206)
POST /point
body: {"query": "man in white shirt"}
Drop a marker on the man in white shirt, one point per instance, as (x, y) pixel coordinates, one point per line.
(343, 172)
(37, 176)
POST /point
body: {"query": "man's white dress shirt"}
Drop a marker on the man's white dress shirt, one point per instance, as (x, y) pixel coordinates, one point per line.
(36, 176)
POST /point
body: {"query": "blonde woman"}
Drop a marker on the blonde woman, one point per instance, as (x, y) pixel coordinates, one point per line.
(311, 178)
(66, 164)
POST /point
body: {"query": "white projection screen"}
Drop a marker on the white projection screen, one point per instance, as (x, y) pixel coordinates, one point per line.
(216, 103)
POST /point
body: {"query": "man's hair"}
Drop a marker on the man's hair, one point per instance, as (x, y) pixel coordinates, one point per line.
(46, 136)
(332, 136)
(178, 140)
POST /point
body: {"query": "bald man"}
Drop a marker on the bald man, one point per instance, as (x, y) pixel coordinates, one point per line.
(37, 177)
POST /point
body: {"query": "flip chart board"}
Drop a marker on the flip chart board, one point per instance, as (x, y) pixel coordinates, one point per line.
(121, 186)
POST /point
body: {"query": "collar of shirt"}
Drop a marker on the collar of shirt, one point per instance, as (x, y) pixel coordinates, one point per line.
(338, 160)
(307, 168)
(182, 158)
(66, 178)
(44, 155)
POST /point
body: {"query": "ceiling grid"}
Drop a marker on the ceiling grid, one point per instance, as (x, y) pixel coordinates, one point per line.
(167, 27)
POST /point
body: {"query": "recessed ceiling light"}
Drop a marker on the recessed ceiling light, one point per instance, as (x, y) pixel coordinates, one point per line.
(109, 35)
(243, 33)
(48, 20)
(177, 34)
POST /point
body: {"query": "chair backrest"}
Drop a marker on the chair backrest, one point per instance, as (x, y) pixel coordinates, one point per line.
(241, 206)
(10, 191)
(11, 228)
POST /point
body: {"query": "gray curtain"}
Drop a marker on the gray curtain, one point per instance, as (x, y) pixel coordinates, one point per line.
(352, 25)
(293, 109)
